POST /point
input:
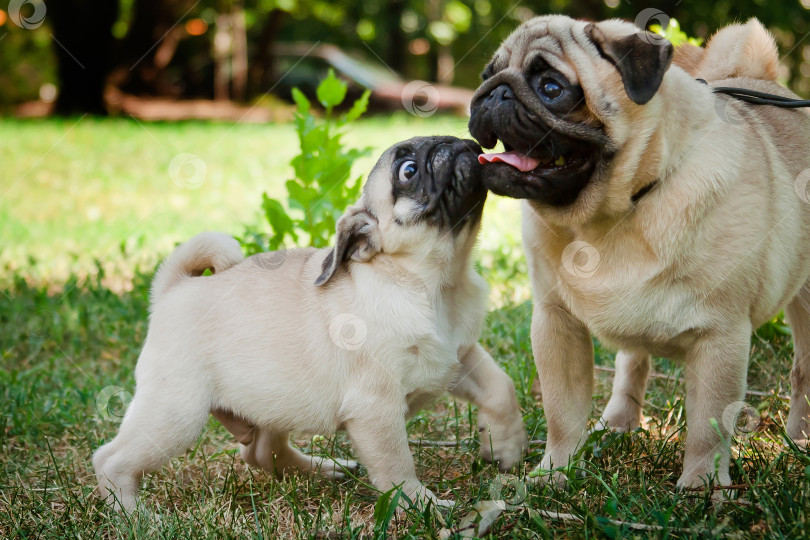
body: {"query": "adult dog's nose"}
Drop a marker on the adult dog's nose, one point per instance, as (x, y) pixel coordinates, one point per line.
(500, 94)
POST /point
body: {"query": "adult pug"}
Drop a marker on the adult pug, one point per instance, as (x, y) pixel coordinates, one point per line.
(659, 216)
(313, 340)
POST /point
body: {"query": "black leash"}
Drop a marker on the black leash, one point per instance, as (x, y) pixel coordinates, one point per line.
(759, 98)
(743, 94)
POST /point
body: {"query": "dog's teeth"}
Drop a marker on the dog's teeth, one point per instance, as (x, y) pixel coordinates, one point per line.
(560, 161)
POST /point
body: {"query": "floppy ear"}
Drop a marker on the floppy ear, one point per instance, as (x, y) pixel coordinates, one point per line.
(641, 59)
(358, 239)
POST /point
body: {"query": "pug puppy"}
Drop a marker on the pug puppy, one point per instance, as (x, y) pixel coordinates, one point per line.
(658, 215)
(355, 337)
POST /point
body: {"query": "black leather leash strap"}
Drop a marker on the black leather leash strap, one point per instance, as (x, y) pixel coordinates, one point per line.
(759, 98)
(743, 94)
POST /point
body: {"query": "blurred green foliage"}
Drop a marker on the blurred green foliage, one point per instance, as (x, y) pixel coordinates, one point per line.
(26, 63)
(674, 34)
(446, 40)
(319, 193)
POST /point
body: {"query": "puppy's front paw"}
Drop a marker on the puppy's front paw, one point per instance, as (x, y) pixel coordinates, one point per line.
(622, 414)
(696, 479)
(720, 487)
(544, 477)
(502, 444)
(336, 469)
(550, 473)
(421, 497)
(443, 503)
(801, 441)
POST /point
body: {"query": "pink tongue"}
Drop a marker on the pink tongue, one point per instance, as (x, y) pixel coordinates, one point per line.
(516, 160)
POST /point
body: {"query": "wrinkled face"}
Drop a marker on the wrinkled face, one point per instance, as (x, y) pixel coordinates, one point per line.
(549, 94)
(534, 113)
(423, 199)
(430, 182)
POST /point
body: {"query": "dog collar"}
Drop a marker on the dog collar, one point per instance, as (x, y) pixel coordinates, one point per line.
(635, 197)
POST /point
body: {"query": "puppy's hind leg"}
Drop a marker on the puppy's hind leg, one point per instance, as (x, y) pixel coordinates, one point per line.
(271, 451)
(623, 411)
(157, 426)
(798, 315)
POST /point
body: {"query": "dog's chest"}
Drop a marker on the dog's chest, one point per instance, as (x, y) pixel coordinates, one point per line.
(419, 331)
(433, 358)
(635, 312)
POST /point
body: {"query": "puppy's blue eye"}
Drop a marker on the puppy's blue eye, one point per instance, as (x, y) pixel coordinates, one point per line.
(550, 88)
(407, 171)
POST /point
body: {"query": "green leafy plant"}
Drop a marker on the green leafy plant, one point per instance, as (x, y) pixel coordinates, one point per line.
(321, 189)
(384, 510)
(774, 328)
(674, 34)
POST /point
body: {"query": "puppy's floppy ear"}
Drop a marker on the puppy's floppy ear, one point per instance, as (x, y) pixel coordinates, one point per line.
(641, 59)
(358, 239)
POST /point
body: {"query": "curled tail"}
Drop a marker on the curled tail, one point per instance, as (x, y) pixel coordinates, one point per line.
(214, 250)
(738, 50)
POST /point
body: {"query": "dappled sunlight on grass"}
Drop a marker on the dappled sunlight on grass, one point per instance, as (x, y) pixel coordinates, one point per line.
(61, 351)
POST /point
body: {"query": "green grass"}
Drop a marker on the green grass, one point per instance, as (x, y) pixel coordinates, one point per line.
(69, 347)
(80, 192)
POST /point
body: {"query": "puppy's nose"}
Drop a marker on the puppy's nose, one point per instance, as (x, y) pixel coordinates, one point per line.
(501, 93)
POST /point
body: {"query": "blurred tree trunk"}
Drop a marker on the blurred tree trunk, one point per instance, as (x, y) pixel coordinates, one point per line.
(82, 40)
(230, 55)
(444, 69)
(239, 59)
(395, 53)
(153, 21)
(262, 67)
(221, 53)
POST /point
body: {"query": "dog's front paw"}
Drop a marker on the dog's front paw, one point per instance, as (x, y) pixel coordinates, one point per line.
(443, 503)
(421, 497)
(541, 476)
(336, 469)
(552, 472)
(502, 444)
(622, 414)
(695, 479)
(720, 486)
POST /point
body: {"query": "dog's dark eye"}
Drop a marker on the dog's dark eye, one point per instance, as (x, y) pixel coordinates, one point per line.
(556, 93)
(407, 170)
(550, 88)
(488, 71)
